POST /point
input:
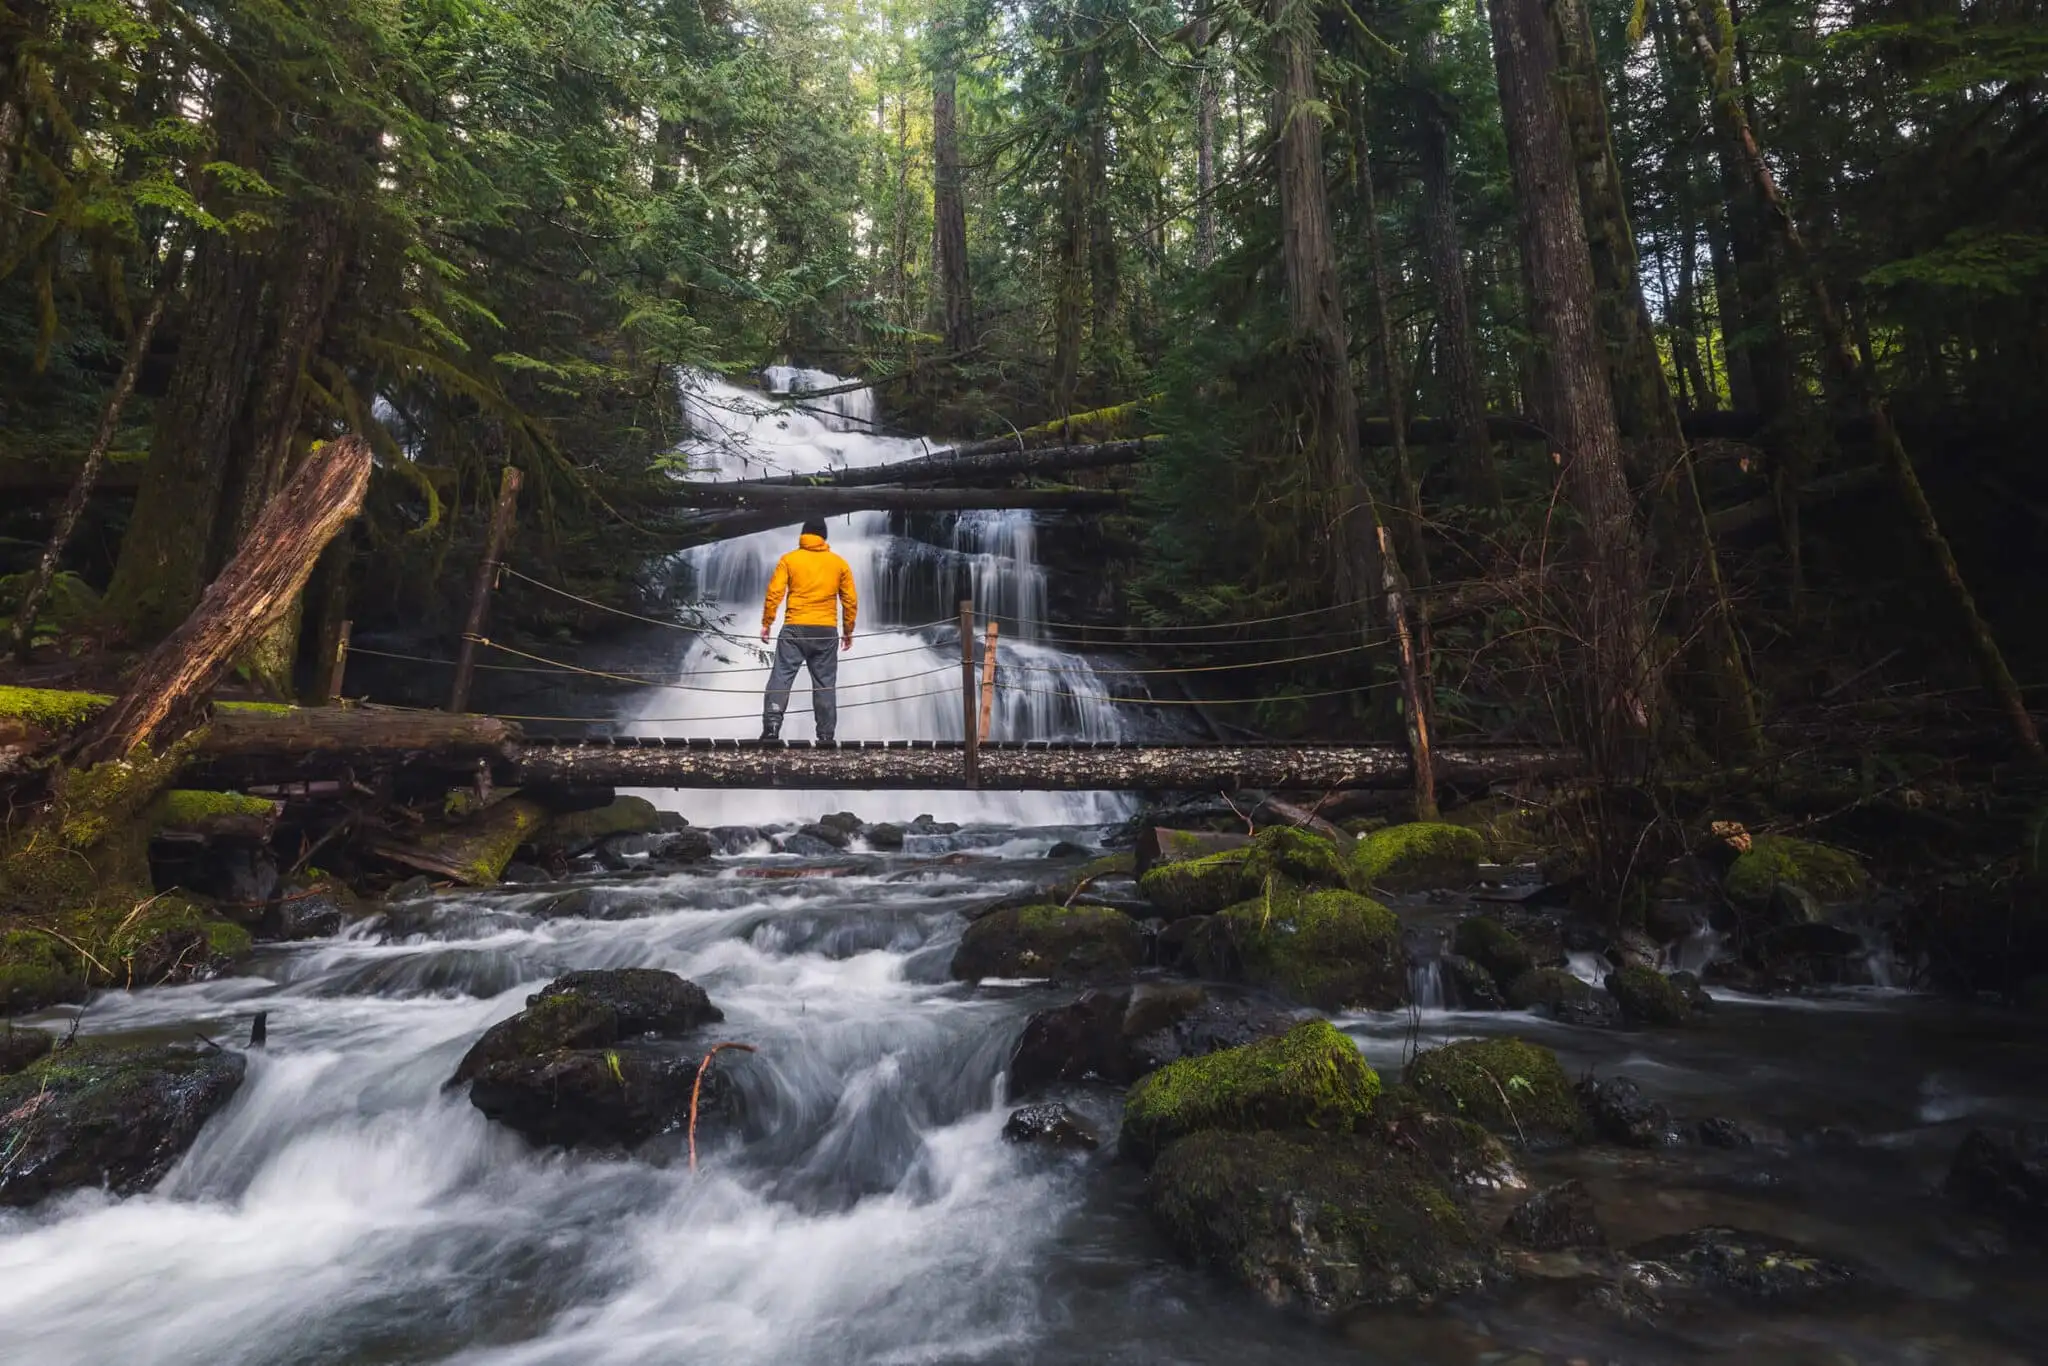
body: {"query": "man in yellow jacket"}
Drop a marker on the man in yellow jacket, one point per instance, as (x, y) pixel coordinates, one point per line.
(822, 604)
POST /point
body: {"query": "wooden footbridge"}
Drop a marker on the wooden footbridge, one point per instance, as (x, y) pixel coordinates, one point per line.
(242, 750)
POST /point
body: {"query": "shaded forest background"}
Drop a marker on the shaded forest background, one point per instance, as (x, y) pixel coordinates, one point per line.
(491, 234)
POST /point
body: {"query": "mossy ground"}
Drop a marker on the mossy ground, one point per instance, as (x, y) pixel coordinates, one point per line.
(1493, 946)
(1513, 1087)
(1830, 874)
(1418, 855)
(1311, 1077)
(51, 709)
(1334, 950)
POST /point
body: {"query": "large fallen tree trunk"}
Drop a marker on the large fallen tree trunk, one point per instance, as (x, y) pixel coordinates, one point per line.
(793, 502)
(960, 466)
(253, 592)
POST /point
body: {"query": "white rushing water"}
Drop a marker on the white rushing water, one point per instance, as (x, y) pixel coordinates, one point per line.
(345, 1209)
(901, 680)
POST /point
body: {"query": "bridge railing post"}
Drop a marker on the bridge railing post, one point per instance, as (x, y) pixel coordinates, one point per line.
(988, 681)
(968, 727)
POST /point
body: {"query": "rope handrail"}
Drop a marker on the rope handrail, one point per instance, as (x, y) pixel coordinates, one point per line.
(682, 626)
(1196, 668)
(691, 687)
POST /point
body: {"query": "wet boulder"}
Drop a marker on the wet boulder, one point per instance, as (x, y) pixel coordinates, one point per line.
(591, 1062)
(1827, 875)
(36, 972)
(1310, 1077)
(1065, 943)
(1277, 856)
(1509, 1086)
(1418, 856)
(1050, 1126)
(579, 832)
(1556, 1218)
(845, 822)
(20, 1047)
(1065, 849)
(1462, 1155)
(1564, 998)
(1468, 986)
(108, 1115)
(1117, 1036)
(1330, 949)
(1753, 1266)
(884, 838)
(1199, 886)
(687, 846)
(812, 842)
(1156, 846)
(1724, 1133)
(1647, 997)
(1484, 940)
(1320, 1221)
(1622, 1114)
(2004, 1172)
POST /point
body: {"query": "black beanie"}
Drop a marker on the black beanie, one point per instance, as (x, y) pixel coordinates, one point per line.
(815, 527)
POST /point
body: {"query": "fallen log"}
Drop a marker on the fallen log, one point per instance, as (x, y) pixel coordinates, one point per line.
(245, 748)
(184, 816)
(1764, 511)
(793, 502)
(951, 466)
(1157, 845)
(252, 593)
(474, 852)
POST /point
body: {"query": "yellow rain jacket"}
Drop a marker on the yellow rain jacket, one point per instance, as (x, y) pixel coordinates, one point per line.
(817, 583)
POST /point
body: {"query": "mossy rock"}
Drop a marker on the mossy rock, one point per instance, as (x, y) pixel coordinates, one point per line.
(1333, 950)
(1564, 997)
(1298, 855)
(1648, 997)
(1510, 1086)
(109, 1116)
(1066, 943)
(1311, 1077)
(1829, 874)
(1493, 946)
(1108, 867)
(1323, 1222)
(1201, 886)
(1419, 855)
(579, 831)
(69, 603)
(51, 709)
(37, 972)
(20, 1047)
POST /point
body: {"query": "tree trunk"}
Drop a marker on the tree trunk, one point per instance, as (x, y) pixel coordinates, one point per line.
(258, 586)
(949, 213)
(1070, 276)
(1326, 417)
(1206, 108)
(1456, 351)
(1615, 712)
(1841, 357)
(95, 455)
(1392, 385)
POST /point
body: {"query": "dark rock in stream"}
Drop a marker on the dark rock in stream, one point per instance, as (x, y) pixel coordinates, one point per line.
(1050, 1126)
(837, 836)
(518, 874)
(1647, 997)
(736, 839)
(108, 1115)
(1734, 1261)
(1117, 1036)
(20, 1047)
(316, 914)
(584, 1064)
(885, 838)
(1323, 1222)
(1724, 1133)
(1622, 1114)
(925, 825)
(687, 846)
(1066, 943)
(1556, 1218)
(806, 845)
(2004, 1172)
(1069, 849)
(1468, 986)
(1564, 998)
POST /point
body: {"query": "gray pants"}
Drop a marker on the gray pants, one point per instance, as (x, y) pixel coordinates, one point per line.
(804, 647)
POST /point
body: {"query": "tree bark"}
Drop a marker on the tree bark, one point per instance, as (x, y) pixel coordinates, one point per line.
(257, 587)
(1206, 109)
(1842, 358)
(949, 212)
(1615, 713)
(95, 455)
(1325, 419)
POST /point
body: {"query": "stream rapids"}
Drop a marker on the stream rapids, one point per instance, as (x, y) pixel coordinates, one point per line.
(346, 1209)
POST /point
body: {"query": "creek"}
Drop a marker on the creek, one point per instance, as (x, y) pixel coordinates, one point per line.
(346, 1210)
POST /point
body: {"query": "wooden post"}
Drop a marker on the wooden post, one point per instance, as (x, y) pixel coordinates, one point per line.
(1412, 684)
(988, 681)
(480, 596)
(340, 662)
(968, 727)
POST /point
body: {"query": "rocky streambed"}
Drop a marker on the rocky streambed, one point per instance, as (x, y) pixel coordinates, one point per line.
(1271, 1100)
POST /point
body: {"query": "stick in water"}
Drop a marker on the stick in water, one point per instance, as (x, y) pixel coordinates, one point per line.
(697, 1087)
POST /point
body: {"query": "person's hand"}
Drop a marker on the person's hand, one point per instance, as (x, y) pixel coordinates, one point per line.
(846, 642)
(764, 635)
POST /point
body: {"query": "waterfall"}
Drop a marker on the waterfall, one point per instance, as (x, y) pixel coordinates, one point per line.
(901, 680)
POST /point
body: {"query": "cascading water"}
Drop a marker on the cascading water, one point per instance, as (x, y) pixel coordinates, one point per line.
(901, 681)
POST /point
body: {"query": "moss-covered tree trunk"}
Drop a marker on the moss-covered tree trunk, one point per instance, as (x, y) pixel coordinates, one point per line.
(949, 210)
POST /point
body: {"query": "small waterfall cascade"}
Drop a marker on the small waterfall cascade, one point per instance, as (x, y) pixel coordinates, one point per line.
(901, 680)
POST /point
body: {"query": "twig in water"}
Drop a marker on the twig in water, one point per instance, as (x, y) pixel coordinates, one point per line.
(697, 1087)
